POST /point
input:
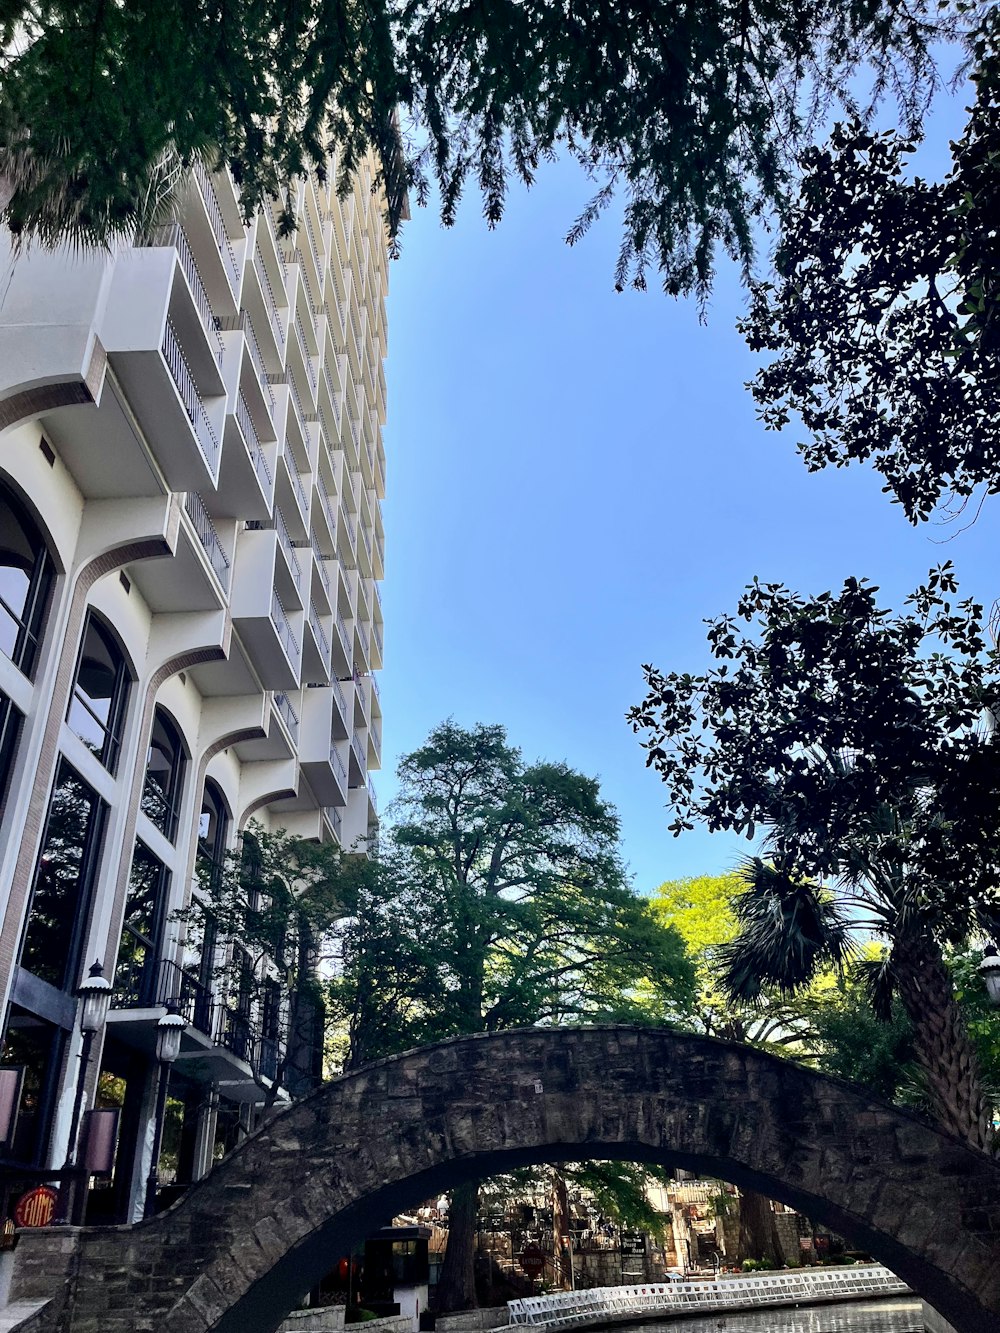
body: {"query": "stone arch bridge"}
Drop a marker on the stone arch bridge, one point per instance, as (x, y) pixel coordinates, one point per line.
(246, 1243)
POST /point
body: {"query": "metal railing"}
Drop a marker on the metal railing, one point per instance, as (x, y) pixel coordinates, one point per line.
(374, 684)
(565, 1308)
(300, 338)
(300, 411)
(378, 637)
(337, 764)
(287, 714)
(286, 545)
(334, 818)
(345, 641)
(214, 210)
(272, 228)
(320, 633)
(172, 234)
(366, 538)
(180, 373)
(313, 245)
(285, 632)
(372, 796)
(321, 566)
(209, 538)
(338, 694)
(300, 490)
(268, 290)
(256, 451)
(363, 636)
(328, 505)
(246, 324)
(359, 750)
(375, 733)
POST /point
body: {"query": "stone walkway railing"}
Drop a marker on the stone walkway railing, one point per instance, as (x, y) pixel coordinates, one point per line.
(565, 1308)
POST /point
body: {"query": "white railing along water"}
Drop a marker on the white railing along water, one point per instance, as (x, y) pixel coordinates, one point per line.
(565, 1308)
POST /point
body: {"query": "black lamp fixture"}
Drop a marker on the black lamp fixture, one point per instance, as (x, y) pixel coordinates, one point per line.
(989, 970)
(94, 994)
(169, 1030)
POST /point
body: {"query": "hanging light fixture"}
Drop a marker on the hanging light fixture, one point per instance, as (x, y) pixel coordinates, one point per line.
(989, 970)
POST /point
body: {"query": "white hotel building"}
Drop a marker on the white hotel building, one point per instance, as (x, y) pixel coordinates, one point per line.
(191, 543)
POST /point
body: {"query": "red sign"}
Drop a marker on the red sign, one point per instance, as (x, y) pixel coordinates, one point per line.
(36, 1208)
(532, 1260)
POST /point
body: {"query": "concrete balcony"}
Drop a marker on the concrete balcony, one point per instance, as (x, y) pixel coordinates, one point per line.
(169, 362)
(270, 634)
(322, 586)
(264, 299)
(357, 767)
(281, 739)
(325, 518)
(197, 576)
(333, 820)
(377, 647)
(375, 745)
(292, 494)
(321, 757)
(343, 653)
(217, 239)
(246, 477)
(316, 648)
(289, 577)
(360, 821)
(342, 725)
(362, 647)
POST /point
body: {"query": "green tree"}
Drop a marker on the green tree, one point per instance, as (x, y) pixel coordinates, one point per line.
(687, 114)
(882, 317)
(504, 899)
(855, 739)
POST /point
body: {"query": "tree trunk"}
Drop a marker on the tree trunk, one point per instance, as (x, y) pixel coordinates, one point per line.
(758, 1233)
(941, 1041)
(457, 1286)
(562, 1254)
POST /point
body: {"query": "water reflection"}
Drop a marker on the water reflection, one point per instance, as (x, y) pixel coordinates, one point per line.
(892, 1316)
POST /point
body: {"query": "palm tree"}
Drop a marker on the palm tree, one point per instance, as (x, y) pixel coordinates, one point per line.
(791, 926)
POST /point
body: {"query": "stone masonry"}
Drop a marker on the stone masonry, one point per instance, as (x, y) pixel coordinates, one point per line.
(241, 1248)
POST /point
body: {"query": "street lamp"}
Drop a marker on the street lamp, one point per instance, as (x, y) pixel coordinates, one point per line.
(989, 970)
(169, 1030)
(94, 993)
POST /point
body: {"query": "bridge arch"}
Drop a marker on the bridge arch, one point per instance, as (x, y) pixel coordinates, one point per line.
(246, 1243)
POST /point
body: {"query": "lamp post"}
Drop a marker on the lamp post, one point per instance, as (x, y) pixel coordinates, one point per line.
(989, 970)
(169, 1031)
(94, 994)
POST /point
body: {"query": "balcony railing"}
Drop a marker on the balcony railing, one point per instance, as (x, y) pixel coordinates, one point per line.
(141, 985)
(338, 694)
(208, 537)
(376, 631)
(288, 548)
(214, 210)
(180, 372)
(330, 507)
(374, 684)
(320, 633)
(363, 636)
(375, 732)
(321, 566)
(300, 490)
(345, 641)
(359, 750)
(269, 301)
(272, 227)
(245, 423)
(300, 338)
(372, 794)
(313, 244)
(334, 818)
(285, 632)
(246, 324)
(337, 764)
(172, 234)
(287, 714)
(366, 538)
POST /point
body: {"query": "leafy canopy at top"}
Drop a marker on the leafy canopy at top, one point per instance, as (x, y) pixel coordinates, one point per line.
(686, 113)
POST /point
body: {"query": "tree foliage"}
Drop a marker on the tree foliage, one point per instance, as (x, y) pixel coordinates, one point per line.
(500, 901)
(687, 114)
(883, 313)
(855, 739)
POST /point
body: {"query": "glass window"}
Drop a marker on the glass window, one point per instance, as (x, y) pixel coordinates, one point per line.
(64, 877)
(135, 973)
(10, 730)
(26, 574)
(161, 793)
(97, 708)
(213, 829)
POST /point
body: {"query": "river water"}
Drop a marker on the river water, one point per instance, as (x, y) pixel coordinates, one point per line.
(896, 1315)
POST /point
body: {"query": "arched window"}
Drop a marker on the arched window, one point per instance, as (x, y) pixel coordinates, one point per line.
(213, 828)
(26, 574)
(100, 692)
(161, 793)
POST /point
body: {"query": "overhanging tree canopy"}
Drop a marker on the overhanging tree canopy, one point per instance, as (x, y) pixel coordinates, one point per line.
(689, 113)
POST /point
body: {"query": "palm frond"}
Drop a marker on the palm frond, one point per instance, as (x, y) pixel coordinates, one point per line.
(789, 927)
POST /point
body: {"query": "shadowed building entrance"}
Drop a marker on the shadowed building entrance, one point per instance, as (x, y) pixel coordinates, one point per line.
(245, 1244)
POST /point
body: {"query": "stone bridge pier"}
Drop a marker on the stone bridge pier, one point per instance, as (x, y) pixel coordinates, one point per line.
(246, 1243)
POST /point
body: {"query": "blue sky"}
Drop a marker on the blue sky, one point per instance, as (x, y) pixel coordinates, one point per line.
(576, 479)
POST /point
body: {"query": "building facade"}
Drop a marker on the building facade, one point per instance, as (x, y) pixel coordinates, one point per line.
(191, 544)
